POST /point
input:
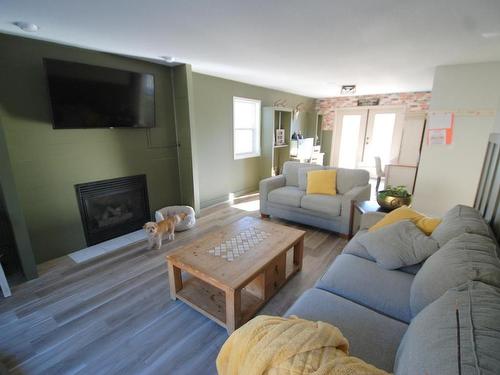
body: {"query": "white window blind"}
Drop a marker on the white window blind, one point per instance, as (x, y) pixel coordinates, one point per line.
(246, 127)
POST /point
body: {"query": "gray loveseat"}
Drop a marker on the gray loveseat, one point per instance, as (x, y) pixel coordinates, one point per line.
(406, 320)
(284, 196)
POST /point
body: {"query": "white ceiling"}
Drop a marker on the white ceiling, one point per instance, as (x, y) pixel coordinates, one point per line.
(305, 47)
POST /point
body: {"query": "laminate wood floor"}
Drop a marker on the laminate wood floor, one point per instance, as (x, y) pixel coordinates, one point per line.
(113, 314)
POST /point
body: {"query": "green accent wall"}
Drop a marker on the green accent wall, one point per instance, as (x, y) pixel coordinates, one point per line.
(219, 174)
(47, 163)
(11, 203)
(184, 107)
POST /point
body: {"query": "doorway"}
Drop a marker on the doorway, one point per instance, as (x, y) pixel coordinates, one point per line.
(361, 134)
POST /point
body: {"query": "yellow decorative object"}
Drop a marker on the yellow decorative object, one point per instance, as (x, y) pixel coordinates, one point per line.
(274, 345)
(424, 223)
(322, 182)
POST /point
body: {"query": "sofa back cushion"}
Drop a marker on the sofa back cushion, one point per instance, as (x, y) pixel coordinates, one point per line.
(398, 245)
(430, 345)
(291, 173)
(467, 257)
(460, 219)
(349, 178)
(296, 175)
(303, 170)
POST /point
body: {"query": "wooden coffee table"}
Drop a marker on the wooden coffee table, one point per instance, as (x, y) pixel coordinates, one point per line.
(230, 273)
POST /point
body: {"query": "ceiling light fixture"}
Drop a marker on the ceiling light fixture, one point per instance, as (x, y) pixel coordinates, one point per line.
(169, 59)
(348, 90)
(26, 26)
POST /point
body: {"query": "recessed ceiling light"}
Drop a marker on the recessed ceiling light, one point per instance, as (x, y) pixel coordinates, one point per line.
(169, 59)
(27, 26)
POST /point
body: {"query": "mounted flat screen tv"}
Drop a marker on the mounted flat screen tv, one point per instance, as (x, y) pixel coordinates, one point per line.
(89, 96)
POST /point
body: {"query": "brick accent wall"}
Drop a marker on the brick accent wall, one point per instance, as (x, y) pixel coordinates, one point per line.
(414, 102)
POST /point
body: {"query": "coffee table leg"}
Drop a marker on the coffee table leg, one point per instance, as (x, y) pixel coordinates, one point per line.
(233, 310)
(298, 253)
(175, 280)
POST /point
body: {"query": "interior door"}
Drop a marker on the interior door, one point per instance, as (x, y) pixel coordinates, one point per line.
(361, 134)
(384, 130)
(348, 138)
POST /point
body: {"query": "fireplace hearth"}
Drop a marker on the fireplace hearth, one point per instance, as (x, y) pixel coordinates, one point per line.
(111, 208)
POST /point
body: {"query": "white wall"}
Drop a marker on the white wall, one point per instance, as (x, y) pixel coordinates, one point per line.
(449, 174)
(497, 122)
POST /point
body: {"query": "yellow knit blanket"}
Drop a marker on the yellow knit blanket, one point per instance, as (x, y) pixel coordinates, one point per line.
(270, 345)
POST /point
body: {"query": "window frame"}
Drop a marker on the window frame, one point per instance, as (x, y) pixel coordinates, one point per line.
(256, 152)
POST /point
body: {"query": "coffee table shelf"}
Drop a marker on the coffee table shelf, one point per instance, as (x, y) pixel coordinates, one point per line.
(211, 301)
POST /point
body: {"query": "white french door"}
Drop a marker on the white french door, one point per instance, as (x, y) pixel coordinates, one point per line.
(362, 134)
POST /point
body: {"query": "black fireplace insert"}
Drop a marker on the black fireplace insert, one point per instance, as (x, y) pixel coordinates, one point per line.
(111, 208)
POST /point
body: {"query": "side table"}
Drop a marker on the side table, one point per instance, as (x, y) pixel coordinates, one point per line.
(362, 207)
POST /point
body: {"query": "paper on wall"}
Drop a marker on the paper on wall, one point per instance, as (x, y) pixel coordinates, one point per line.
(437, 136)
(440, 120)
(440, 128)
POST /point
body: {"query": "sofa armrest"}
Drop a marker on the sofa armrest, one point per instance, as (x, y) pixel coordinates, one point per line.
(369, 219)
(357, 193)
(266, 186)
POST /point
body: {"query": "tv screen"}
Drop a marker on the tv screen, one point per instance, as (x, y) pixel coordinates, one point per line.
(89, 96)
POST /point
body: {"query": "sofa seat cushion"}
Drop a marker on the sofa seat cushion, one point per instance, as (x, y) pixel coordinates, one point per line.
(373, 337)
(460, 219)
(399, 245)
(363, 282)
(467, 257)
(430, 345)
(328, 204)
(286, 195)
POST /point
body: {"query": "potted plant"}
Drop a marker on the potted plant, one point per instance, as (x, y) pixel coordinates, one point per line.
(393, 197)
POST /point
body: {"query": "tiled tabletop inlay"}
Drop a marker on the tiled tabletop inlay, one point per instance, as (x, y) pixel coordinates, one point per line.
(239, 244)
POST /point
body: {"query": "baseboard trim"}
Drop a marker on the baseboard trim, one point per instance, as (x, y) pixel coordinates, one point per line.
(224, 199)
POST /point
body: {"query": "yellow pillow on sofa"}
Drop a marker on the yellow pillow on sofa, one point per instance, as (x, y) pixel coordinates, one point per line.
(322, 182)
(424, 223)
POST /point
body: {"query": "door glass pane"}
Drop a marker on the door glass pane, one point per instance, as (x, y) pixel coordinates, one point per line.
(380, 143)
(349, 141)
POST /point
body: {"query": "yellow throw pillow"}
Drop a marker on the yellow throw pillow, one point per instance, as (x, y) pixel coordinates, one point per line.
(322, 182)
(428, 224)
(424, 223)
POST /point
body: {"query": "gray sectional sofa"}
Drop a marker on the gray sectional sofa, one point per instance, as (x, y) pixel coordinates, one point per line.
(284, 196)
(405, 320)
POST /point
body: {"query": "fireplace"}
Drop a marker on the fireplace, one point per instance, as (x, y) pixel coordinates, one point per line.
(111, 208)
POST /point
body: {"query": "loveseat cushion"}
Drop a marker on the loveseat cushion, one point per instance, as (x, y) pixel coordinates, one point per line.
(286, 195)
(430, 346)
(373, 337)
(328, 204)
(291, 173)
(467, 257)
(399, 245)
(302, 173)
(460, 219)
(363, 282)
(349, 178)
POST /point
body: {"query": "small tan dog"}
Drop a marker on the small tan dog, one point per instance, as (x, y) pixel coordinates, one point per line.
(155, 231)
